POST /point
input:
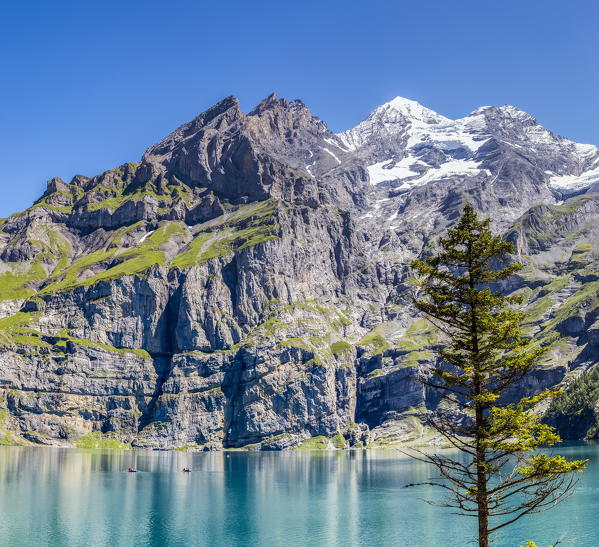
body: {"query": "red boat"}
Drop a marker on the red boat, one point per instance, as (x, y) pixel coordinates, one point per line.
(132, 470)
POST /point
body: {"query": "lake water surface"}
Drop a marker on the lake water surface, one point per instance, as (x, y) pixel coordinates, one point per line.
(70, 497)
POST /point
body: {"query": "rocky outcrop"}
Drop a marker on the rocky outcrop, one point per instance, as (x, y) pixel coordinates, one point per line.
(593, 332)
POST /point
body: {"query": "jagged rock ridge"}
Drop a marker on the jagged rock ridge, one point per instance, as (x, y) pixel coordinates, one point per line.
(245, 283)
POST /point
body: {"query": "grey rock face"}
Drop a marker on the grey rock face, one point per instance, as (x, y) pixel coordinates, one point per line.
(594, 335)
(247, 283)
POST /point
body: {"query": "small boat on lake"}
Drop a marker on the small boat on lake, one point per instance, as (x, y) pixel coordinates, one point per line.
(187, 470)
(132, 470)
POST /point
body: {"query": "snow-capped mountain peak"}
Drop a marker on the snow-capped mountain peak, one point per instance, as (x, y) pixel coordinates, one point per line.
(404, 144)
(395, 138)
(391, 118)
(410, 110)
(507, 110)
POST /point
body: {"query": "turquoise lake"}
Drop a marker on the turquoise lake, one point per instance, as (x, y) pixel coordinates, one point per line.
(67, 497)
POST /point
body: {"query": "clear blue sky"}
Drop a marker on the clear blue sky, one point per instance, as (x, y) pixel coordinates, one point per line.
(88, 85)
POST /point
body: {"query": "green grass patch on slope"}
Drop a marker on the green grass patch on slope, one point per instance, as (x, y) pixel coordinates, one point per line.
(420, 335)
(338, 441)
(579, 257)
(99, 440)
(538, 306)
(586, 298)
(247, 227)
(376, 340)
(133, 261)
(56, 208)
(314, 443)
(16, 330)
(114, 197)
(17, 283)
(340, 347)
(322, 443)
(141, 353)
(14, 283)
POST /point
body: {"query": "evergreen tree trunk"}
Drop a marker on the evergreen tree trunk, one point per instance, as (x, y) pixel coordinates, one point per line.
(479, 416)
(481, 480)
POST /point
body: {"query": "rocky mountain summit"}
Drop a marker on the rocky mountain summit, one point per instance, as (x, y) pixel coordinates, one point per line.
(246, 284)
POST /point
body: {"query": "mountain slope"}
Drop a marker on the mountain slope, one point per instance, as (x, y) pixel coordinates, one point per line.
(246, 283)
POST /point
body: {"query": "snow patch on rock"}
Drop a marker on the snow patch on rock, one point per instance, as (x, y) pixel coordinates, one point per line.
(574, 183)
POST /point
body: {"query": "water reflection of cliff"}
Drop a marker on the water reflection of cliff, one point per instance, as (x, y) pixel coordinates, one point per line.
(77, 497)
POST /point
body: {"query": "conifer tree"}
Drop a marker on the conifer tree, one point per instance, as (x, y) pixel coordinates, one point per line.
(502, 476)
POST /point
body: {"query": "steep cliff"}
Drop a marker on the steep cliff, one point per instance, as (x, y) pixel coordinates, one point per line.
(246, 283)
